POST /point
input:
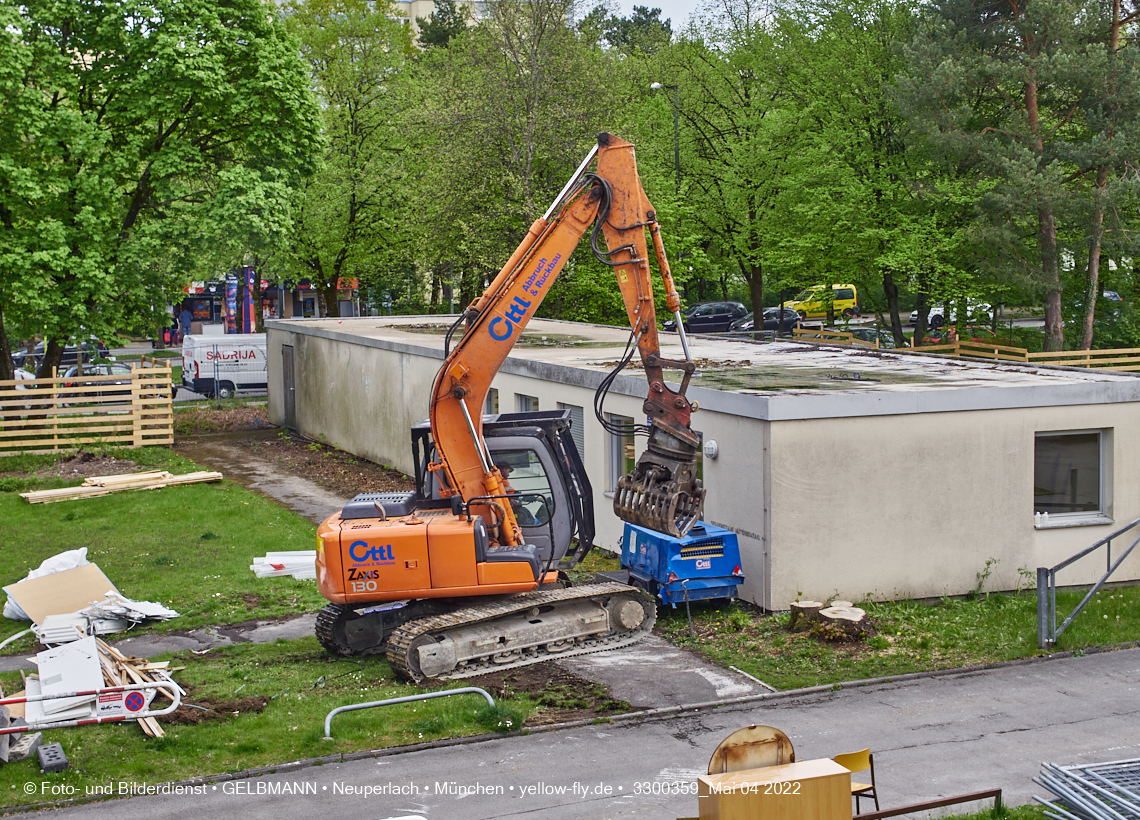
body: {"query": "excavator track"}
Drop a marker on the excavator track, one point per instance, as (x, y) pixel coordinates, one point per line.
(346, 630)
(617, 603)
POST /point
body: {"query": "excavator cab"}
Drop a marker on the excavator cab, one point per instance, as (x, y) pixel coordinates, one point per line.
(536, 454)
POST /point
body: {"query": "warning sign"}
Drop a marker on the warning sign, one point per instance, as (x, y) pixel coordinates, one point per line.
(110, 704)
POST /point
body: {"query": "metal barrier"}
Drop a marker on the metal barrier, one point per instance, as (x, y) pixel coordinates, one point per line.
(935, 804)
(1047, 631)
(113, 712)
(466, 690)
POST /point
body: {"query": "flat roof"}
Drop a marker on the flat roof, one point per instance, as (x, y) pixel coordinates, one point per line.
(770, 380)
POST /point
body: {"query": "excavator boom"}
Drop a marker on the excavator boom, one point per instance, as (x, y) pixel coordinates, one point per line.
(662, 492)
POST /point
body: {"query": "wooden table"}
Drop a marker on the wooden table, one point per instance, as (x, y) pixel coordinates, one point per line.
(809, 790)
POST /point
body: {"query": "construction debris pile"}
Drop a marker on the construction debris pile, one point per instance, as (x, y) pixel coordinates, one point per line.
(107, 484)
(82, 665)
(1100, 791)
(68, 596)
(301, 564)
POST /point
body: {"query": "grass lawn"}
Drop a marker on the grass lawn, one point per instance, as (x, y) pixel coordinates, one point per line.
(908, 636)
(1030, 812)
(281, 693)
(187, 547)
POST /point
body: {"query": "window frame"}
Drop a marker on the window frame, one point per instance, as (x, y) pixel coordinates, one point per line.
(1086, 518)
(616, 457)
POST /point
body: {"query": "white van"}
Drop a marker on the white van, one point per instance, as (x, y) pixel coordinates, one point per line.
(220, 366)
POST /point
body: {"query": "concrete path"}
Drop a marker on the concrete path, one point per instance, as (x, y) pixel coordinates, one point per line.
(246, 467)
(932, 737)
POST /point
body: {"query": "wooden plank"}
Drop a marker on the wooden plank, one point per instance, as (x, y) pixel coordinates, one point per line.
(1094, 364)
(1049, 354)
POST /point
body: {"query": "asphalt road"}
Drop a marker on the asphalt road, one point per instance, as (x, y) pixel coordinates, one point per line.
(931, 737)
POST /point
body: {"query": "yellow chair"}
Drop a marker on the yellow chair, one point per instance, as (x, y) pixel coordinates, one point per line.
(860, 762)
(753, 747)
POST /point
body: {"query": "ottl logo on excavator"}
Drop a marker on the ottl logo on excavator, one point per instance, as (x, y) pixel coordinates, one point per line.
(514, 314)
(362, 551)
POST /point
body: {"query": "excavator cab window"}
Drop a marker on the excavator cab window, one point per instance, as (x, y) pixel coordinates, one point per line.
(524, 472)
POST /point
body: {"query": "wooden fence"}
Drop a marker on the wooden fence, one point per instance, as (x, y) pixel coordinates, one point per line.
(1125, 358)
(49, 416)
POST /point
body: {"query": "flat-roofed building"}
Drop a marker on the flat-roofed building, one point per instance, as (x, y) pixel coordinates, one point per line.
(845, 472)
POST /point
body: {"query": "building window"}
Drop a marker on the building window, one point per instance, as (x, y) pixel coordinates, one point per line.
(623, 451)
(491, 406)
(527, 404)
(577, 426)
(1069, 474)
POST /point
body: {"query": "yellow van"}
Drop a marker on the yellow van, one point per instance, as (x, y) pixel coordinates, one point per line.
(810, 304)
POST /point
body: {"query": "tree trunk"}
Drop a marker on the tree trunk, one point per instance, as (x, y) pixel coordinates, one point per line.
(806, 611)
(920, 323)
(331, 307)
(755, 281)
(1051, 278)
(1046, 227)
(891, 291)
(7, 370)
(1092, 287)
(53, 358)
(436, 291)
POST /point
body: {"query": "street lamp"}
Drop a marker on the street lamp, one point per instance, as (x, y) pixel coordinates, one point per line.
(676, 134)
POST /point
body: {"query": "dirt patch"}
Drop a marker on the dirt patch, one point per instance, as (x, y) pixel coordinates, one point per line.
(204, 419)
(203, 711)
(327, 467)
(559, 694)
(84, 465)
(251, 601)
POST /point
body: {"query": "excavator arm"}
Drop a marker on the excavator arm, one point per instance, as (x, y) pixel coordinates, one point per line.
(662, 492)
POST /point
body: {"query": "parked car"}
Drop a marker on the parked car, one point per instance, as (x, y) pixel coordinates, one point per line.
(709, 317)
(949, 334)
(92, 349)
(771, 321)
(107, 387)
(975, 312)
(812, 304)
(885, 338)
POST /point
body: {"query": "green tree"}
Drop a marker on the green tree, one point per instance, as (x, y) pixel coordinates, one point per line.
(643, 33)
(735, 138)
(508, 112)
(349, 213)
(447, 22)
(1024, 95)
(123, 126)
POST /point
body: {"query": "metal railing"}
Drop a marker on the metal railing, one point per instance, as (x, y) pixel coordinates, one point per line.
(991, 794)
(446, 693)
(1047, 630)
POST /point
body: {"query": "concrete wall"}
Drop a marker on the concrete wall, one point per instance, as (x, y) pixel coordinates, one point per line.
(897, 495)
(913, 506)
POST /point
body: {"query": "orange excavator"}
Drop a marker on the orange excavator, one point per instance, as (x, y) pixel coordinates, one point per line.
(467, 574)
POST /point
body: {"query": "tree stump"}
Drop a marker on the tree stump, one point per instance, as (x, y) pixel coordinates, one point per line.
(806, 611)
(842, 603)
(848, 620)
